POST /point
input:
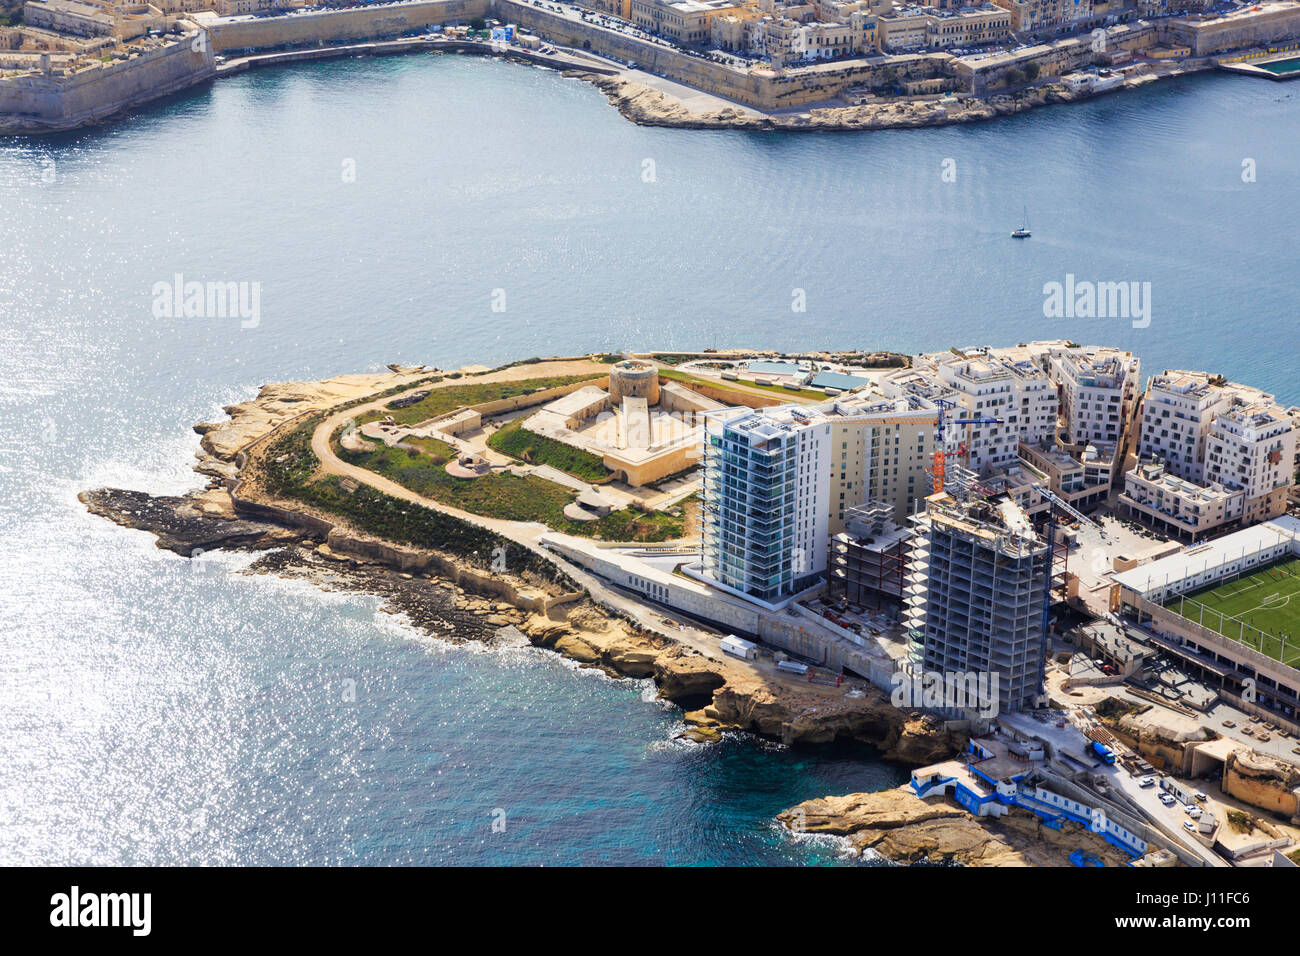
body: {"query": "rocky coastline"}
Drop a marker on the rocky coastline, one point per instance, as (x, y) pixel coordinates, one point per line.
(649, 107)
(900, 827)
(448, 598)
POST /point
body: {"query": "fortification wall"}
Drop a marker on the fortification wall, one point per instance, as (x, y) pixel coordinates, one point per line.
(39, 103)
(1243, 30)
(338, 26)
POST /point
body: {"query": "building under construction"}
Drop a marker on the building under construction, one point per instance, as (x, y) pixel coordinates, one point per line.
(974, 592)
(867, 562)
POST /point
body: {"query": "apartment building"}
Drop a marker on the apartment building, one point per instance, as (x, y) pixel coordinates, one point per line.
(1179, 412)
(1176, 416)
(785, 40)
(686, 21)
(903, 29)
(1098, 389)
(764, 501)
(1035, 411)
(973, 596)
(1231, 446)
(1251, 448)
(1084, 480)
(1031, 15)
(987, 388)
(966, 26)
(1184, 509)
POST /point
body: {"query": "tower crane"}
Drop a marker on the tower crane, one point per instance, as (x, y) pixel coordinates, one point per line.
(940, 456)
(1055, 502)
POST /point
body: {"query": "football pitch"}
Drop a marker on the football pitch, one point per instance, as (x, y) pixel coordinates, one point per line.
(1258, 609)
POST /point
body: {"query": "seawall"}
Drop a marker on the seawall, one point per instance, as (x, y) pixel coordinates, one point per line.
(41, 103)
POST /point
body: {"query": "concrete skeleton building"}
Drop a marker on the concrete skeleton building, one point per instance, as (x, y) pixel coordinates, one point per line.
(973, 595)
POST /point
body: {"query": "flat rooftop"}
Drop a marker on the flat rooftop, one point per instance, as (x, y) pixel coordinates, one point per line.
(1189, 561)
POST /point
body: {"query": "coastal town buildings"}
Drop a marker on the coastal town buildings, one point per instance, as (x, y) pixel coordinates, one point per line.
(1030, 15)
(686, 21)
(1212, 453)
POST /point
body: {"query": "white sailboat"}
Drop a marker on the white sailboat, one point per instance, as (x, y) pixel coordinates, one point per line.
(1023, 232)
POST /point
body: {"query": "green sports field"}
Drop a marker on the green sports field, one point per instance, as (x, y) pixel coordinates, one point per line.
(1258, 609)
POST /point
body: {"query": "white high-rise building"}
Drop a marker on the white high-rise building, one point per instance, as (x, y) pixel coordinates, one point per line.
(988, 383)
(1178, 412)
(765, 501)
(1251, 448)
(1176, 417)
(1228, 441)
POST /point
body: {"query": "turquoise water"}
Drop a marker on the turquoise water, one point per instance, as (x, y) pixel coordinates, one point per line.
(774, 368)
(1281, 67)
(159, 712)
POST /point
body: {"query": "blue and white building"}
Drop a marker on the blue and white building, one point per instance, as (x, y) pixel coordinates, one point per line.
(765, 501)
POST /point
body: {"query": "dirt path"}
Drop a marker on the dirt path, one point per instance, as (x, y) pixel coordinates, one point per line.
(527, 534)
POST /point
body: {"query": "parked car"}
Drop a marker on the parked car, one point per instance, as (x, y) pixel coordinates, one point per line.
(1167, 800)
(1230, 723)
(1147, 782)
(1189, 826)
(1200, 796)
(1193, 812)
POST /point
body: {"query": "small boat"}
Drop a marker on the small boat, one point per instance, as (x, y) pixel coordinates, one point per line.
(1023, 232)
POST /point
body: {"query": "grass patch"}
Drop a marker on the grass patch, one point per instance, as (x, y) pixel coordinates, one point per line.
(287, 473)
(440, 401)
(676, 376)
(439, 452)
(503, 495)
(518, 442)
(1257, 609)
(1240, 821)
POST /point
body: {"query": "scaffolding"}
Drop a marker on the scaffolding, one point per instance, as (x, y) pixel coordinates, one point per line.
(867, 562)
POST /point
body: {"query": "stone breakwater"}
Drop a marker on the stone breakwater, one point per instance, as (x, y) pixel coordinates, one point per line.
(450, 597)
(903, 828)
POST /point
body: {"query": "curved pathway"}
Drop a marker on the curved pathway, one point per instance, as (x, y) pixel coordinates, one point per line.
(526, 534)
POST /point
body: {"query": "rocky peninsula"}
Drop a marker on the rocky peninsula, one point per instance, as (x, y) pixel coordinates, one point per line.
(449, 590)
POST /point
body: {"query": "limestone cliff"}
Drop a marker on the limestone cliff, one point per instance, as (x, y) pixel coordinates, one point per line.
(1263, 782)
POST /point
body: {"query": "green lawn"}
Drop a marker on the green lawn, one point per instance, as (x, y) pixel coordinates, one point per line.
(448, 398)
(1257, 609)
(503, 495)
(518, 442)
(676, 376)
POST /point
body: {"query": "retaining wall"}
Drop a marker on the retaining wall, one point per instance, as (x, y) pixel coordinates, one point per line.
(38, 103)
